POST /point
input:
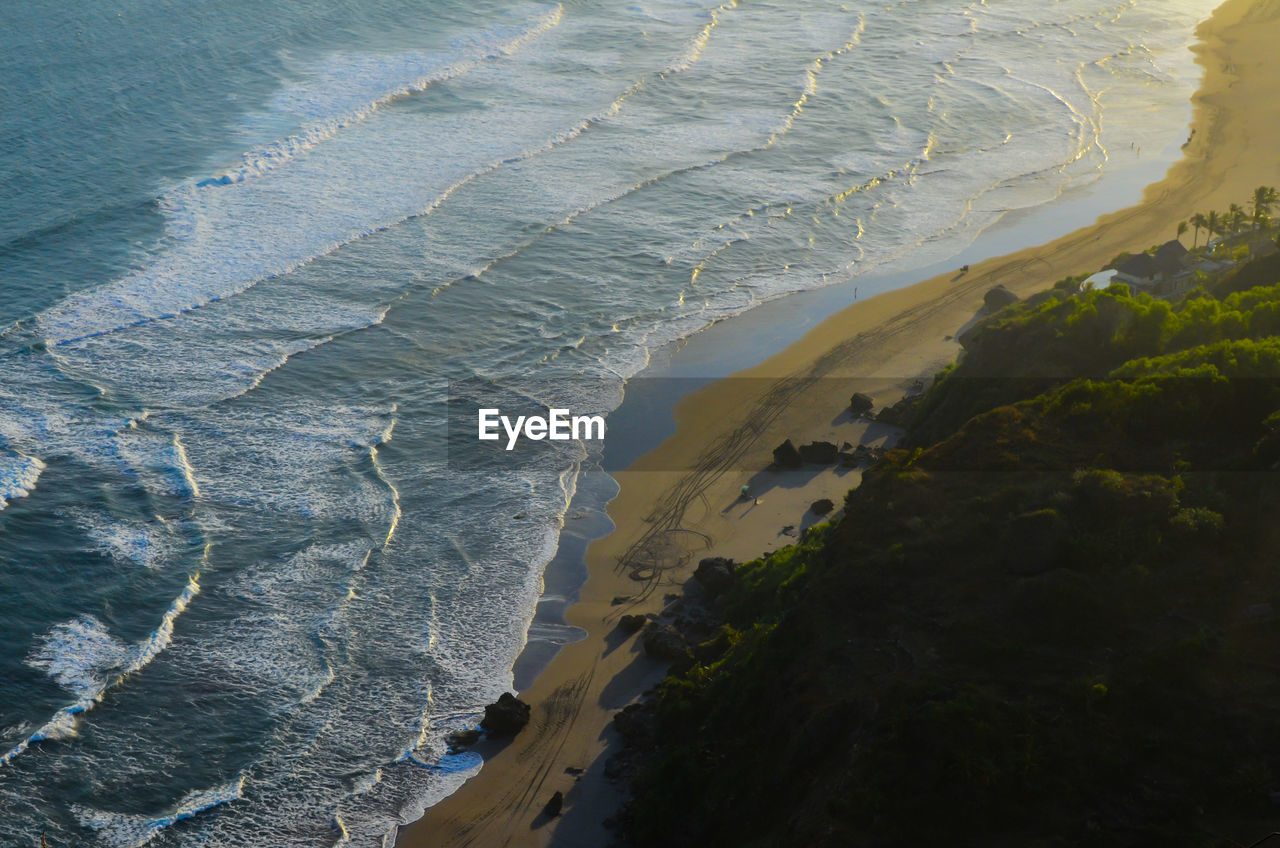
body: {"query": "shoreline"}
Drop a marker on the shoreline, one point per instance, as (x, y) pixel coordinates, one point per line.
(665, 520)
(745, 339)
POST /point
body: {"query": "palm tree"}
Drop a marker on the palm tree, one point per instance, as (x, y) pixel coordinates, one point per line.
(1264, 197)
(1235, 218)
(1199, 221)
(1182, 229)
(1213, 223)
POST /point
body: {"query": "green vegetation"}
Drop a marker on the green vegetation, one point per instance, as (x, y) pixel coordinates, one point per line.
(1235, 220)
(1046, 620)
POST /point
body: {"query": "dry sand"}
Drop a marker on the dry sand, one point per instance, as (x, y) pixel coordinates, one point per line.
(667, 520)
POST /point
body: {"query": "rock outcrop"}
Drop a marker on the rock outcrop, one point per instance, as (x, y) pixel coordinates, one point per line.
(507, 716)
(819, 453)
(786, 455)
(860, 404)
(715, 574)
(998, 298)
(460, 740)
(821, 506)
(663, 643)
(897, 415)
(631, 623)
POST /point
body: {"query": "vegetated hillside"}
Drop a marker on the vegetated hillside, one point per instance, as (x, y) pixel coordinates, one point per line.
(1047, 621)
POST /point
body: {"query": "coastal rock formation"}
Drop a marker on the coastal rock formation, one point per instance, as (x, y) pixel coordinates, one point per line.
(715, 574)
(862, 455)
(822, 506)
(631, 623)
(819, 453)
(663, 643)
(786, 455)
(460, 740)
(998, 298)
(896, 415)
(860, 404)
(507, 716)
(634, 722)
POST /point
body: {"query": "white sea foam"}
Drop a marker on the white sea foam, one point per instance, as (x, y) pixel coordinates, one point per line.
(82, 655)
(18, 476)
(148, 545)
(122, 830)
(75, 654)
(350, 88)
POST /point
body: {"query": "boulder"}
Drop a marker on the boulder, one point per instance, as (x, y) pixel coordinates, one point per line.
(860, 404)
(631, 623)
(555, 805)
(461, 739)
(998, 298)
(663, 643)
(897, 415)
(819, 453)
(785, 455)
(867, 454)
(821, 506)
(715, 574)
(634, 722)
(507, 716)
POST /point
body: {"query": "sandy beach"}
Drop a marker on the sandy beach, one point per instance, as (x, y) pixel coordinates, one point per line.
(667, 520)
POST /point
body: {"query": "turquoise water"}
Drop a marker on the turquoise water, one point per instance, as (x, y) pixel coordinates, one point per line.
(244, 250)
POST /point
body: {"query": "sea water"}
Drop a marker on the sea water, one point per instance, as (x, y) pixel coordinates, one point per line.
(246, 248)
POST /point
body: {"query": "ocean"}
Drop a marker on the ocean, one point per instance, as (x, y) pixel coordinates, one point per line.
(246, 249)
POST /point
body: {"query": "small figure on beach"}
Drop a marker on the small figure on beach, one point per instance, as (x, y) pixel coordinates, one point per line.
(964, 269)
(746, 492)
(756, 502)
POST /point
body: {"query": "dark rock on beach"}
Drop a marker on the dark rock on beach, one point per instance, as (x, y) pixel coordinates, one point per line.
(862, 455)
(715, 574)
(663, 643)
(555, 805)
(631, 623)
(819, 453)
(786, 455)
(998, 298)
(822, 506)
(634, 722)
(462, 739)
(860, 404)
(507, 716)
(896, 415)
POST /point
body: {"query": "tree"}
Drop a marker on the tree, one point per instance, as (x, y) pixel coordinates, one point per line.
(1264, 197)
(1235, 219)
(1182, 229)
(1213, 223)
(1199, 221)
